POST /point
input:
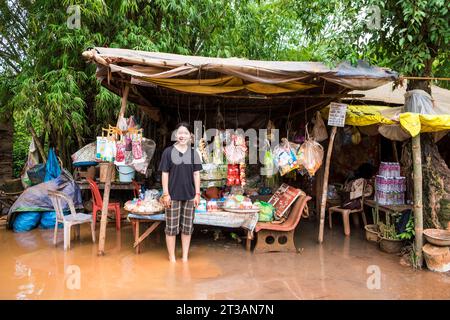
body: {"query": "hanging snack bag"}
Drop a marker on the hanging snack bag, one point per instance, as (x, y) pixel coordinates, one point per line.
(311, 155)
(100, 150)
(285, 158)
(137, 147)
(319, 131)
(236, 150)
(110, 150)
(120, 152)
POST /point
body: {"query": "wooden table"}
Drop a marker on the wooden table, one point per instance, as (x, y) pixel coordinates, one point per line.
(206, 218)
(84, 185)
(388, 209)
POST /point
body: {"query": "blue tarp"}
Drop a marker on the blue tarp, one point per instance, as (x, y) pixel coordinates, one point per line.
(52, 168)
(26, 221)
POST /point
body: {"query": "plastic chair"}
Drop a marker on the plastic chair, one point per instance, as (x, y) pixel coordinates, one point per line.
(97, 203)
(70, 220)
(347, 212)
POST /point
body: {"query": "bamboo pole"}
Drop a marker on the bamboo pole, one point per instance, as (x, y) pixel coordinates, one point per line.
(325, 184)
(418, 207)
(103, 222)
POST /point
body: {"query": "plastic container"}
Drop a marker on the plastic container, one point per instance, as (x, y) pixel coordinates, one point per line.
(126, 173)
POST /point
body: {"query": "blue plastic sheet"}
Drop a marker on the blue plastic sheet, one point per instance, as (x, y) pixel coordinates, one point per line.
(48, 220)
(26, 221)
(52, 168)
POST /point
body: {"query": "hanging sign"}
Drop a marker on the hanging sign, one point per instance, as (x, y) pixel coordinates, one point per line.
(336, 115)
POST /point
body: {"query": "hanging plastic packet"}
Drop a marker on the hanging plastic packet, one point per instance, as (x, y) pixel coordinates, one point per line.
(285, 158)
(120, 153)
(236, 150)
(100, 149)
(233, 175)
(137, 147)
(110, 150)
(310, 155)
(218, 150)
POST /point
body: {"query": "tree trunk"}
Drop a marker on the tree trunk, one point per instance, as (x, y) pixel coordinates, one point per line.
(436, 174)
(436, 183)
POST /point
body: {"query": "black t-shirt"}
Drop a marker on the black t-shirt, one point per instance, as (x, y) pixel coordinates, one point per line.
(181, 167)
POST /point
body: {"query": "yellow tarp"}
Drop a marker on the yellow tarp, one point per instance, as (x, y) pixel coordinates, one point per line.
(413, 123)
(227, 84)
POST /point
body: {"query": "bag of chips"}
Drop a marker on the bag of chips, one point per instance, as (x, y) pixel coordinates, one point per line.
(310, 155)
(285, 158)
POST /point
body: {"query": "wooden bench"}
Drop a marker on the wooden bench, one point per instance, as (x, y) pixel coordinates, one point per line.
(280, 237)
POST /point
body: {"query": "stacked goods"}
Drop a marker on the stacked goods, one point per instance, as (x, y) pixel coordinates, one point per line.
(390, 185)
(239, 202)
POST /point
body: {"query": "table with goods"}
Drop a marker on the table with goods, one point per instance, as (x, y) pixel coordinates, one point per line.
(227, 190)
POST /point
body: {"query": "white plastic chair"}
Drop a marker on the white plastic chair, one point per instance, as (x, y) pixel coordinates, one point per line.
(70, 220)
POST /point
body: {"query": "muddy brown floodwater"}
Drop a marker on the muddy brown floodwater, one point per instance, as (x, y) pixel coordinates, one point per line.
(32, 268)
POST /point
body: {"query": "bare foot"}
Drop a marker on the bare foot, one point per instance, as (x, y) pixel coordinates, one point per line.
(172, 259)
(184, 259)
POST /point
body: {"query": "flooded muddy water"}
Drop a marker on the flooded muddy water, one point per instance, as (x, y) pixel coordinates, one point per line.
(342, 268)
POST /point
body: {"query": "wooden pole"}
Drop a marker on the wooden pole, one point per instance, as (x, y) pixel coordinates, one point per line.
(418, 208)
(394, 150)
(325, 184)
(103, 222)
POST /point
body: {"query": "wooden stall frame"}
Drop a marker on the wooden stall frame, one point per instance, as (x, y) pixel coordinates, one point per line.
(103, 222)
(325, 184)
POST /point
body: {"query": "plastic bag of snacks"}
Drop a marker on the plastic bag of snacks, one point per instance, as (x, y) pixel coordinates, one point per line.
(233, 175)
(285, 158)
(120, 152)
(319, 131)
(236, 150)
(137, 146)
(311, 155)
(100, 149)
(266, 211)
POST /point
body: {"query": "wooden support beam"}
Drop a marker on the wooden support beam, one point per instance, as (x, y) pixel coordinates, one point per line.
(325, 184)
(103, 222)
(418, 207)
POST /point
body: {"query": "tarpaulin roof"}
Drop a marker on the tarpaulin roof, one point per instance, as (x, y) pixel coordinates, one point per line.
(144, 66)
(177, 84)
(386, 94)
(411, 123)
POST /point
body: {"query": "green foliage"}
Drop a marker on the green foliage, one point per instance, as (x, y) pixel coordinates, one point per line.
(45, 80)
(409, 232)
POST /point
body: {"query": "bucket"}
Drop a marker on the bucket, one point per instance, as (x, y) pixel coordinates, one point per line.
(126, 173)
(104, 170)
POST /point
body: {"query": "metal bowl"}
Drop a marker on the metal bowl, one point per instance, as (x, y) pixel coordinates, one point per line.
(438, 237)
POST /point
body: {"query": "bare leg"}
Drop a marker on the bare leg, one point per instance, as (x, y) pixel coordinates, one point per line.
(185, 242)
(170, 242)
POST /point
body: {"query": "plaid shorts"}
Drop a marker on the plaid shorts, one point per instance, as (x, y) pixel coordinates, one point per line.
(180, 215)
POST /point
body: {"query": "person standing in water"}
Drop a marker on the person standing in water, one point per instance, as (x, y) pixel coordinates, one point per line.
(180, 165)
